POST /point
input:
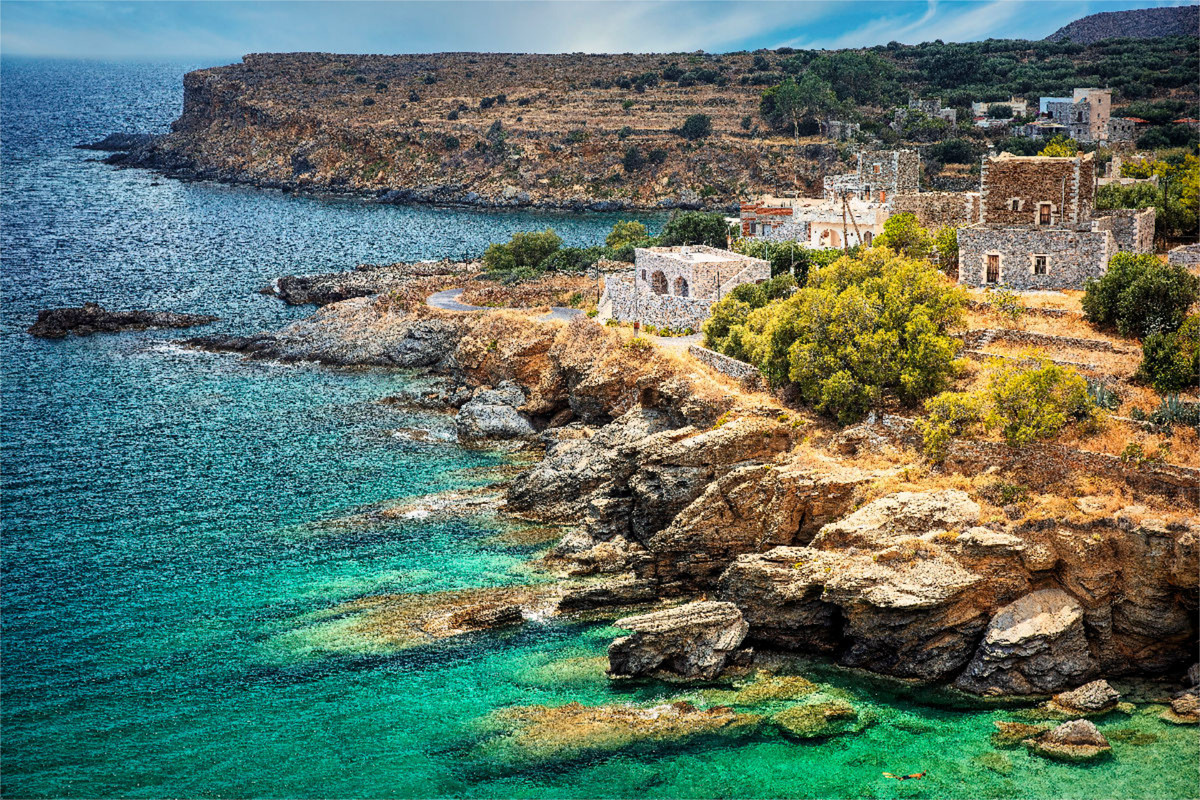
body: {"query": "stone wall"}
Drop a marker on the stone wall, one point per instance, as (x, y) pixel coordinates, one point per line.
(739, 370)
(979, 337)
(878, 176)
(1186, 255)
(1133, 229)
(1071, 256)
(626, 304)
(937, 209)
(704, 278)
(1067, 184)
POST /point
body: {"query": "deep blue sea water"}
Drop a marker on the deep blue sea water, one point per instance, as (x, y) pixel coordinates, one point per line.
(164, 584)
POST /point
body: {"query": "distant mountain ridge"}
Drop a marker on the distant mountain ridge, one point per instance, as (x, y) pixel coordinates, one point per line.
(1145, 23)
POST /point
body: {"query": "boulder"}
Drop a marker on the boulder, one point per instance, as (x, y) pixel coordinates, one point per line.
(1185, 708)
(781, 596)
(1096, 697)
(491, 418)
(899, 515)
(1077, 740)
(1034, 645)
(695, 640)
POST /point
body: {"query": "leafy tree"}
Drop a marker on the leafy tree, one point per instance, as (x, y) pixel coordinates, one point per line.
(1060, 147)
(946, 242)
(1025, 402)
(858, 77)
(787, 258)
(903, 234)
(626, 232)
(783, 106)
(1171, 361)
(731, 312)
(695, 227)
(1176, 199)
(1139, 295)
(523, 250)
(571, 259)
(697, 126)
(953, 151)
(1000, 111)
(862, 327)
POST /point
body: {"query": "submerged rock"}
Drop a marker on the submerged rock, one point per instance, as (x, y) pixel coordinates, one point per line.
(1185, 708)
(1013, 734)
(1032, 646)
(119, 142)
(695, 640)
(818, 720)
(1077, 740)
(57, 323)
(541, 732)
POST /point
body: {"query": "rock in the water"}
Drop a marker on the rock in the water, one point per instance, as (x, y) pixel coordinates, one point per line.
(476, 617)
(491, 418)
(695, 641)
(1035, 645)
(1077, 740)
(1013, 734)
(56, 323)
(1185, 708)
(118, 142)
(819, 720)
(1096, 697)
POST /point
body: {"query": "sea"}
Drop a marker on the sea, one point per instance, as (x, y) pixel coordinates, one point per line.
(180, 530)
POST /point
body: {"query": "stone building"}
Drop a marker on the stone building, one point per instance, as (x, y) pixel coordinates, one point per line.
(1186, 255)
(815, 222)
(932, 107)
(937, 209)
(676, 286)
(1019, 107)
(1085, 114)
(1037, 228)
(878, 176)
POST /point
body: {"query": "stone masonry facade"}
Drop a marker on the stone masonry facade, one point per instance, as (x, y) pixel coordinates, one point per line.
(1027, 257)
(1132, 228)
(676, 286)
(939, 209)
(1037, 190)
(879, 175)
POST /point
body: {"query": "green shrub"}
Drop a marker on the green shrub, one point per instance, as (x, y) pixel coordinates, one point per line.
(789, 257)
(522, 251)
(1139, 295)
(570, 259)
(697, 126)
(625, 132)
(450, 142)
(862, 327)
(1171, 361)
(633, 159)
(657, 155)
(903, 234)
(695, 227)
(1025, 402)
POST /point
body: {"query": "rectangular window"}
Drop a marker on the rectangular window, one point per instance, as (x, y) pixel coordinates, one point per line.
(1039, 265)
(882, 197)
(1044, 214)
(1016, 204)
(753, 228)
(993, 268)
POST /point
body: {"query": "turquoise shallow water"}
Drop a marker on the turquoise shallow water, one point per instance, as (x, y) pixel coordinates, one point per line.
(165, 588)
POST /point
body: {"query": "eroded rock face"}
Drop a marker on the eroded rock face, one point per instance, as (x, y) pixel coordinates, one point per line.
(491, 419)
(695, 640)
(1077, 740)
(1035, 645)
(57, 323)
(898, 515)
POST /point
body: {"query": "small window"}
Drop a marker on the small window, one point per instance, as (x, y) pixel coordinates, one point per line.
(643, 274)
(1016, 204)
(882, 197)
(993, 268)
(1044, 214)
(867, 237)
(876, 169)
(1039, 265)
(753, 228)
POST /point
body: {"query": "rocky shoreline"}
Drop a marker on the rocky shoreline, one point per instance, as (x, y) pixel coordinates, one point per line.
(680, 492)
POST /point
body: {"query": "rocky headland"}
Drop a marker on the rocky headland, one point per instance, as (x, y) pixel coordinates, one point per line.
(57, 323)
(740, 523)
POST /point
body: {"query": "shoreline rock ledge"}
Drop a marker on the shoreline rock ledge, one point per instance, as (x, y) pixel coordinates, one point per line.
(696, 640)
(57, 323)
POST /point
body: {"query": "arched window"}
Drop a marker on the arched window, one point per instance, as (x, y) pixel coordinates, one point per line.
(681, 287)
(658, 282)
(868, 237)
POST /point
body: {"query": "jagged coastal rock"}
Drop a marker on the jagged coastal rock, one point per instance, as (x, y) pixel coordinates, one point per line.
(362, 281)
(1032, 646)
(57, 323)
(695, 640)
(676, 491)
(1096, 697)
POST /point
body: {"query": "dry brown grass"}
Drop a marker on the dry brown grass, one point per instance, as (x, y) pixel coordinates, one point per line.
(1065, 300)
(572, 291)
(1180, 445)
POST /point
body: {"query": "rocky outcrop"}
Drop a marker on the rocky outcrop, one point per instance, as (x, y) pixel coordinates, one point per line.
(1096, 697)
(363, 281)
(358, 332)
(817, 720)
(1077, 740)
(119, 142)
(491, 419)
(1035, 645)
(57, 323)
(1185, 708)
(696, 640)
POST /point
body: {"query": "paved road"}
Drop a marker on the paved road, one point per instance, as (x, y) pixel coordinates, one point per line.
(448, 301)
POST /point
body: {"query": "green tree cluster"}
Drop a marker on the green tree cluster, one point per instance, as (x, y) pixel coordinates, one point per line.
(861, 328)
(1139, 295)
(787, 257)
(695, 227)
(696, 126)
(1171, 361)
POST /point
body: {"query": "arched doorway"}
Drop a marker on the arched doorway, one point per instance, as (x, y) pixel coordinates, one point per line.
(868, 237)
(658, 282)
(681, 286)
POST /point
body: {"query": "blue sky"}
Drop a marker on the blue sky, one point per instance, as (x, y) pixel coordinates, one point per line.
(226, 30)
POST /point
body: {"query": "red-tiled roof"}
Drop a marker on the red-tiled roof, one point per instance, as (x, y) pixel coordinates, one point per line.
(1188, 120)
(1137, 120)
